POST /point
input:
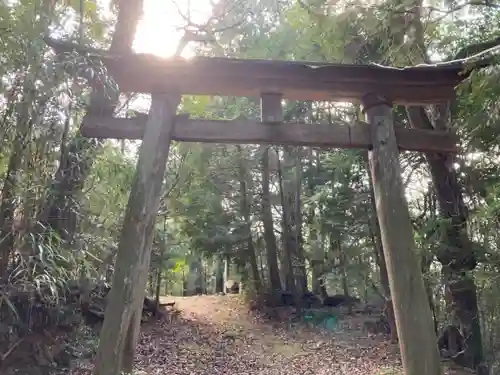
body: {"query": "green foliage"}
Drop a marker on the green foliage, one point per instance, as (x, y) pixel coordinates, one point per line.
(201, 217)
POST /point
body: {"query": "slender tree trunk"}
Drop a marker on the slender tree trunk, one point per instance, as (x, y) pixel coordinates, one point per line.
(205, 275)
(302, 274)
(184, 284)
(7, 204)
(227, 270)
(151, 284)
(159, 271)
(456, 253)
(317, 260)
(317, 255)
(219, 275)
(261, 249)
(270, 239)
(291, 194)
(245, 212)
(343, 268)
(374, 228)
(61, 208)
(158, 290)
(288, 269)
(195, 277)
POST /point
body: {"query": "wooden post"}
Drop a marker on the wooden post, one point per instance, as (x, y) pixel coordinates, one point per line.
(270, 108)
(417, 339)
(121, 326)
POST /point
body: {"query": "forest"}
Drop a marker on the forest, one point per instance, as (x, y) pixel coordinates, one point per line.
(251, 238)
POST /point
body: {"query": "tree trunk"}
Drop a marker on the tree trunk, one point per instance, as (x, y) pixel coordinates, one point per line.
(317, 260)
(184, 284)
(456, 254)
(261, 249)
(343, 269)
(61, 208)
(317, 255)
(245, 206)
(204, 268)
(7, 204)
(159, 271)
(287, 254)
(417, 340)
(286, 258)
(291, 191)
(157, 291)
(374, 229)
(267, 220)
(219, 275)
(121, 326)
(227, 270)
(194, 283)
(299, 243)
(150, 282)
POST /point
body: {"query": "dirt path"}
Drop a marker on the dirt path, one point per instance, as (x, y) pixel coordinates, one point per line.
(214, 335)
(217, 335)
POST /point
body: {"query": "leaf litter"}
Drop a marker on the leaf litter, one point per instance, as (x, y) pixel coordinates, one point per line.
(218, 335)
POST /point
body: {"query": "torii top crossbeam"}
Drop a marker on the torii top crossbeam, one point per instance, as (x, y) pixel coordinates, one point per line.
(272, 80)
(146, 73)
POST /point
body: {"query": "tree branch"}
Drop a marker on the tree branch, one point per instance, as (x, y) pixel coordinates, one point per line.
(474, 49)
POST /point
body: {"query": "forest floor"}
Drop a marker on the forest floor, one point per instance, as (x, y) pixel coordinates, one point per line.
(218, 335)
(214, 335)
(211, 335)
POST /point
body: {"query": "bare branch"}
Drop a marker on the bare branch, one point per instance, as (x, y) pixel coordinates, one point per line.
(186, 18)
(208, 27)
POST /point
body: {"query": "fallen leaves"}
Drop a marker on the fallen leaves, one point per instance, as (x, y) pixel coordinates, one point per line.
(212, 335)
(216, 335)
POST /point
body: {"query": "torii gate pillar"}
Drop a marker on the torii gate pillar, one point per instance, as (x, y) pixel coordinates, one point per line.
(122, 319)
(417, 338)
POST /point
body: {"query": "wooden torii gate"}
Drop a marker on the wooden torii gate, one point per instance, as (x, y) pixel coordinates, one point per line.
(377, 88)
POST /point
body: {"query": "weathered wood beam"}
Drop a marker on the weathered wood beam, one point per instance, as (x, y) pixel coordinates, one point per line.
(417, 339)
(294, 79)
(298, 80)
(123, 312)
(253, 132)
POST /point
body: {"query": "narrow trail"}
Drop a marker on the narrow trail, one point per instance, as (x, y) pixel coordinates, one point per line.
(214, 335)
(217, 335)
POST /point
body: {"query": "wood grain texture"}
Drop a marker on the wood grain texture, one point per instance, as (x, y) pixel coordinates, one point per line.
(297, 80)
(417, 339)
(120, 330)
(254, 132)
